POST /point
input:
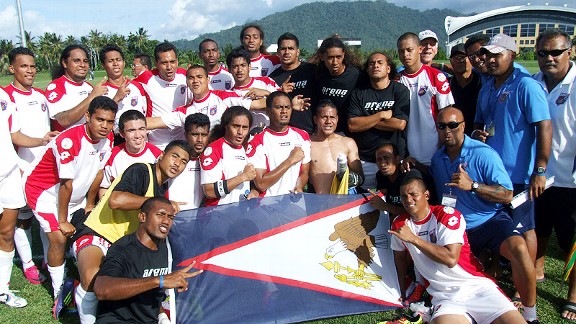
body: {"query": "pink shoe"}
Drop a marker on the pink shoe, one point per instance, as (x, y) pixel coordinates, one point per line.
(34, 276)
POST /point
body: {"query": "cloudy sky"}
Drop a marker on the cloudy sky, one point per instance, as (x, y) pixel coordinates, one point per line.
(175, 19)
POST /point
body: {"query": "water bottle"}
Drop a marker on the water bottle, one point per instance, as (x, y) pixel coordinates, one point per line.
(342, 165)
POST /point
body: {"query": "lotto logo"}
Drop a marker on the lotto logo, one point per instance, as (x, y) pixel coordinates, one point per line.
(452, 221)
(207, 162)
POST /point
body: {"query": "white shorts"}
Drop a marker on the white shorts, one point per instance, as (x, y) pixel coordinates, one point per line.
(87, 240)
(11, 191)
(48, 217)
(485, 306)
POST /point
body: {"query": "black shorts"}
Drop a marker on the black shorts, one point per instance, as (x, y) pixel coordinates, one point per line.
(556, 209)
(492, 233)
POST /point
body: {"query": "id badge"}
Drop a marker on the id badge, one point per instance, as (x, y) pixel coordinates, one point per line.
(449, 200)
(490, 129)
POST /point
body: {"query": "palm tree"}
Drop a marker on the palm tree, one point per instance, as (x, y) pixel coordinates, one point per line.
(29, 41)
(139, 40)
(70, 40)
(50, 45)
(5, 47)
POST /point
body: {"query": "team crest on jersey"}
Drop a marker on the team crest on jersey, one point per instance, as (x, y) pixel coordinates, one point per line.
(66, 143)
(264, 72)
(4, 105)
(432, 235)
(504, 96)
(228, 85)
(102, 154)
(182, 89)
(562, 98)
(44, 106)
(422, 90)
(449, 210)
(208, 151)
(134, 101)
(213, 110)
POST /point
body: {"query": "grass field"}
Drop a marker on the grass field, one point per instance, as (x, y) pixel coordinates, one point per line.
(551, 293)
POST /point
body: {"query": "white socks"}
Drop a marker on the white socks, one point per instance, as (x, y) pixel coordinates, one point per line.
(87, 305)
(6, 259)
(22, 242)
(57, 276)
(529, 313)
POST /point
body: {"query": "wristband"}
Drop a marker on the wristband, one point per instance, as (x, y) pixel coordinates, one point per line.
(161, 282)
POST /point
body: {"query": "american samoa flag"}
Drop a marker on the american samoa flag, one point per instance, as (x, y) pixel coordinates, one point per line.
(283, 259)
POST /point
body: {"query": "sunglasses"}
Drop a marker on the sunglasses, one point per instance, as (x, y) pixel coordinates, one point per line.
(553, 53)
(474, 55)
(450, 125)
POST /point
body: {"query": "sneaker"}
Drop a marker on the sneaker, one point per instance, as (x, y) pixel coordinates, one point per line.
(12, 300)
(405, 319)
(422, 310)
(533, 322)
(34, 276)
(65, 297)
(416, 295)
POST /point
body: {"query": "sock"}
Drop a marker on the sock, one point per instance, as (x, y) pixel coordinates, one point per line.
(57, 275)
(45, 244)
(6, 259)
(529, 313)
(22, 243)
(87, 305)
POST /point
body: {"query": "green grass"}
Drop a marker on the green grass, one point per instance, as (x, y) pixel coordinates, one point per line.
(551, 296)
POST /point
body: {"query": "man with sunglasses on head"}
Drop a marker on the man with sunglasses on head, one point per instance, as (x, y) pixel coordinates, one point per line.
(470, 176)
(465, 84)
(556, 207)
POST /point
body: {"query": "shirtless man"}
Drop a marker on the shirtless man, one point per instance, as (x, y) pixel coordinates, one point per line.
(326, 146)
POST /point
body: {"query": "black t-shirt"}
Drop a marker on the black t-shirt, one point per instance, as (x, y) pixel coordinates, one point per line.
(393, 187)
(465, 99)
(128, 258)
(136, 178)
(367, 101)
(338, 89)
(304, 84)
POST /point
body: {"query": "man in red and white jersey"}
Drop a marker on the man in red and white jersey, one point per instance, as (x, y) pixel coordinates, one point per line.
(11, 194)
(32, 107)
(253, 87)
(186, 187)
(226, 173)
(434, 237)
(220, 78)
(69, 94)
(429, 92)
(127, 94)
(281, 153)
(211, 103)
(66, 179)
(252, 40)
(136, 148)
(165, 88)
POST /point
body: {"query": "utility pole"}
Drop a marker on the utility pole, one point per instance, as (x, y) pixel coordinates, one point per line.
(21, 20)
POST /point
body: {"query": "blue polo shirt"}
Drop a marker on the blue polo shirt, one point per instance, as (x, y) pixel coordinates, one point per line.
(483, 165)
(513, 109)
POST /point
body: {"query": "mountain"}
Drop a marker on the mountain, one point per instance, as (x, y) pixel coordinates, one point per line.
(377, 23)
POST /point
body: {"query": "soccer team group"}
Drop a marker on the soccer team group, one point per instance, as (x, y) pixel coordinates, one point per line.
(104, 168)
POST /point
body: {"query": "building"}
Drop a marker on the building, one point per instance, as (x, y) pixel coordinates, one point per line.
(524, 23)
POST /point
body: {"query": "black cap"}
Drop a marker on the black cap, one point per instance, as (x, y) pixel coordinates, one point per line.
(457, 49)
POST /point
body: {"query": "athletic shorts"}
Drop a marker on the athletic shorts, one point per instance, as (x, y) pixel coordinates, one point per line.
(87, 240)
(492, 233)
(11, 191)
(483, 307)
(556, 209)
(523, 215)
(49, 219)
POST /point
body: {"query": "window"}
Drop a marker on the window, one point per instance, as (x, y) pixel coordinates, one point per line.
(521, 42)
(543, 27)
(528, 30)
(493, 31)
(567, 28)
(510, 30)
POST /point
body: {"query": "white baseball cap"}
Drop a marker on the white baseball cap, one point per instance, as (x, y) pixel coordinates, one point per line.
(501, 42)
(427, 34)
